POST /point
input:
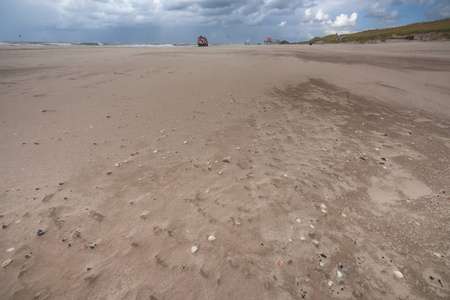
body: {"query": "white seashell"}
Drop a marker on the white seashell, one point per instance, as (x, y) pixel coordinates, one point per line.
(10, 249)
(435, 254)
(298, 220)
(344, 215)
(238, 148)
(6, 263)
(323, 206)
(312, 226)
(398, 274)
(156, 151)
(321, 264)
(211, 238)
(324, 211)
(339, 274)
(330, 283)
(194, 249)
(117, 165)
(303, 238)
(285, 175)
(315, 242)
(220, 173)
(290, 240)
(185, 142)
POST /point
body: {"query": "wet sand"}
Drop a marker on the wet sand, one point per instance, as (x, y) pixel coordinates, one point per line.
(320, 170)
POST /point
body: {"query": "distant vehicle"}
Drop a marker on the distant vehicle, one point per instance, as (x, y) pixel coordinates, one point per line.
(284, 42)
(202, 41)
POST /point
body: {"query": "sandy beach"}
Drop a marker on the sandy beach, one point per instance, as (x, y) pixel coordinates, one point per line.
(225, 172)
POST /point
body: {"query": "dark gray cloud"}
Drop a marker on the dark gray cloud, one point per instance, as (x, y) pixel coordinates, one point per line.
(396, 3)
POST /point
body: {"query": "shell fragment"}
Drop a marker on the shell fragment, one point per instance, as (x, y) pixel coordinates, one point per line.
(6, 263)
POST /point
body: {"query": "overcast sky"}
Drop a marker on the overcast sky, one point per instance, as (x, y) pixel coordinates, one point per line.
(221, 21)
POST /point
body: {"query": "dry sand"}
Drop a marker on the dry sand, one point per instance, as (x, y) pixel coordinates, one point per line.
(347, 146)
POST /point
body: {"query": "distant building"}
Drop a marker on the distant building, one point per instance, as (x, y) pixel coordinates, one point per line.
(270, 41)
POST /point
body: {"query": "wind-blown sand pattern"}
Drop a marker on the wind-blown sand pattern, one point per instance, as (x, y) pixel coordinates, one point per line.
(319, 170)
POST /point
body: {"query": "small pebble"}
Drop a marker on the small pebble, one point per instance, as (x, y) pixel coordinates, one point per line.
(312, 226)
(117, 165)
(40, 232)
(330, 283)
(303, 238)
(323, 206)
(144, 215)
(211, 238)
(298, 220)
(339, 274)
(437, 254)
(194, 249)
(315, 242)
(10, 249)
(4, 226)
(290, 240)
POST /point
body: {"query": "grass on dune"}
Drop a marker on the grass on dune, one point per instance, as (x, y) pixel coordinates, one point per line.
(439, 26)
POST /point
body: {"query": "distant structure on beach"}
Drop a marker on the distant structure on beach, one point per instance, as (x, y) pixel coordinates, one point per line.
(270, 41)
(202, 41)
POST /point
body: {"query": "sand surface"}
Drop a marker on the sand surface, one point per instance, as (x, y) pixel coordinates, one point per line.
(320, 170)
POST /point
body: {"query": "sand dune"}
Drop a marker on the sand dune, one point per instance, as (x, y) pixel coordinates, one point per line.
(319, 170)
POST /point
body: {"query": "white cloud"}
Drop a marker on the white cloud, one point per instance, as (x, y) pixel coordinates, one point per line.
(332, 31)
(321, 16)
(308, 14)
(282, 24)
(345, 20)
